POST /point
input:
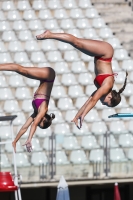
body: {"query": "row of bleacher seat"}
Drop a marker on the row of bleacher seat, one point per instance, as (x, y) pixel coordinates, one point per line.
(67, 79)
(87, 142)
(97, 129)
(38, 5)
(55, 56)
(76, 157)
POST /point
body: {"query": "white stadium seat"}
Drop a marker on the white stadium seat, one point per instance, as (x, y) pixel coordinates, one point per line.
(22, 93)
(37, 57)
(121, 54)
(3, 82)
(62, 129)
(29, 15)
(117, 155)
(36, 144)
(53, 5)
(117, 127)
(106, 112)
(89, 33)
(19, 25)
(80, 101)
(65, 104)
(58, 91)
(71, 56)
(11, 106)
(114, 42)
(8, 5)
(96, 155)
(51, 24)
(5, 58)
(16, 81)
(61, 158)
(128, 90)
(23, 5)
(5, 161)
(92, 116)
(27, 105)
(48, 45)
(45, 14)
(61, 67)
(85, 79)
(54, 56)
(89, 142)
(21, 160)
(67, 24)
(60, 14)
(2, 16)
(25, 35)
(78, 67)
(39, 158)
(31, 45)
(15, 46)
(70, 143)
(127, 65)
(4, 26)
(78, 157)
(120, 77)
(75, 91)
(5, 132)
(35, 25)
(7, 36)
(126, 140)
(20, 118)
(111, 141)
(41, 133)
(99, 128)
(69, 4)
(84, 4)
(70, 114)
(68, 79)
(91, 13)
(105, 33)
(82, 23)
(38, 5)
(21, 57)
(76, 13)
(98, 22)
(90, 89)
(6, 94)
(2, 47)
(58, 117)
(13, 15)
(86, 58)
(52, 105)
(115, 66)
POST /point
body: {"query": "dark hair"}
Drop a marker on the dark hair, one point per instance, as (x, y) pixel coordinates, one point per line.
(49, 121)
(116, 97)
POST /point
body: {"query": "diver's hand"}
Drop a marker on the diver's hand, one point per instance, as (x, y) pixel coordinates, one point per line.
(28, 145)
(78, 121)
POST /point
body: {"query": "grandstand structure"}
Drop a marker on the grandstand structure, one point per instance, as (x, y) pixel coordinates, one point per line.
(80, 154)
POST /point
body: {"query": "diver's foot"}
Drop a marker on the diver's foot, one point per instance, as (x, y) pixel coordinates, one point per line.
(43, 36)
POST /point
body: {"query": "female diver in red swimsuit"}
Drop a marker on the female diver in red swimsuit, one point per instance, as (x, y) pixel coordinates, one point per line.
(46, 76)
(102, 53)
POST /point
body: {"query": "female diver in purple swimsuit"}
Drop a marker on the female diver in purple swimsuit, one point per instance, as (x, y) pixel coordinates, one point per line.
(104, 81)
(46, 76)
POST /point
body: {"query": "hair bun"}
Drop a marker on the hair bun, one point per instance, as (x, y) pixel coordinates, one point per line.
(52, 115)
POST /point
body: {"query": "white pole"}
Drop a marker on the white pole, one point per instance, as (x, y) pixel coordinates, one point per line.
(14, 160)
